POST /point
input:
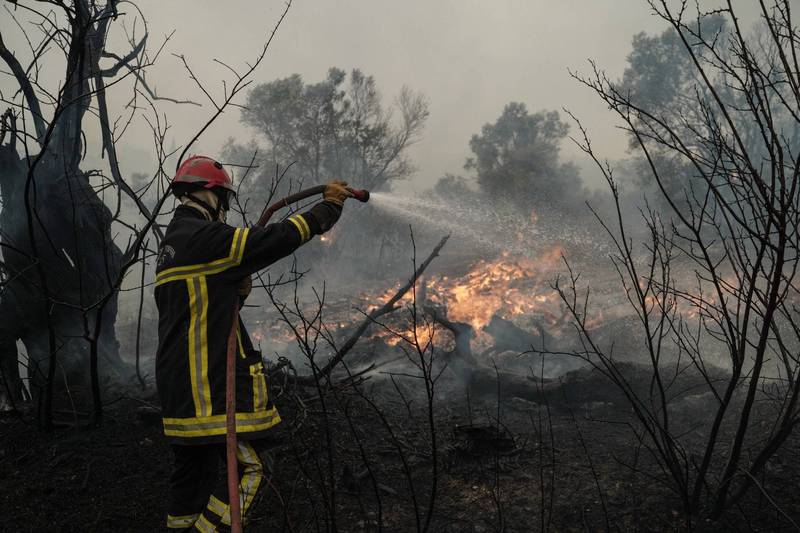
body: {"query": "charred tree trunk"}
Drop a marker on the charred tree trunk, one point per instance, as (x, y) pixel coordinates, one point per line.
(57, 244)
(79, 260)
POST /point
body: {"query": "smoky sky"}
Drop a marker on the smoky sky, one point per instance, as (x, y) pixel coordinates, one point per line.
(468, 57)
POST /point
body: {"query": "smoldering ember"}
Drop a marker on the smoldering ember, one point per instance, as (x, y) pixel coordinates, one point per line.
(399, 266)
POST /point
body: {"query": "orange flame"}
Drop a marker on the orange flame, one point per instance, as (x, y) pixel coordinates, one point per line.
(506, 287)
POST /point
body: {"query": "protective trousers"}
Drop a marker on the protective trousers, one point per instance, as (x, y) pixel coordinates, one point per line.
(199, 495)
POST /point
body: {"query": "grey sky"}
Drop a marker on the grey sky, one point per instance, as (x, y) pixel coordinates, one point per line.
(468, 57)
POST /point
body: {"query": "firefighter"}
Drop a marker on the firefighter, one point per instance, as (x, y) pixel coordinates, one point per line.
(203, 266)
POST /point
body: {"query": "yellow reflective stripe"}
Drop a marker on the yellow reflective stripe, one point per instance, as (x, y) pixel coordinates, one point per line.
(219, 508)
(204, 526)
(215, 425)
(251, 477)
(300, 228)
(198, 346)
(205, 387)
(237, 233)
(259, 387)
(240, 252)
(206, 269)
(304, 231)
(243, 417)
(194, 349)
(239, 340)
(252, 473)
(256, 396)
(181, 522)
(304, 222)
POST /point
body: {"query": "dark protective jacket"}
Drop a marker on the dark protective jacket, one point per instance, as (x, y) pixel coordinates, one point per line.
(200, 266)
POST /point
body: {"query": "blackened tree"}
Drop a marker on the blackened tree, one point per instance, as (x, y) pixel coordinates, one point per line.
(55, 225)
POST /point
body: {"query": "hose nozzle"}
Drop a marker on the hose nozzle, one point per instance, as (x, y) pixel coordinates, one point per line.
(362, 195)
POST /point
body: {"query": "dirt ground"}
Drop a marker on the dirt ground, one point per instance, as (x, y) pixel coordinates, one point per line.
(361, 460)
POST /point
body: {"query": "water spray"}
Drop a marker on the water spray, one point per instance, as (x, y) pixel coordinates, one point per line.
(490, 226)
(362, 195)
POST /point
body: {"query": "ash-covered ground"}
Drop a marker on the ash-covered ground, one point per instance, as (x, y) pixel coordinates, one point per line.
(361, 459)
(408, 434)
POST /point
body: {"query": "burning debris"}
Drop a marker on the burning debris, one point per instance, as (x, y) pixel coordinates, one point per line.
(516, 289)
(493, 307)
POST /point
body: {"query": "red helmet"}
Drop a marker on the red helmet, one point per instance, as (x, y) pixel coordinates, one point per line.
(203, 172)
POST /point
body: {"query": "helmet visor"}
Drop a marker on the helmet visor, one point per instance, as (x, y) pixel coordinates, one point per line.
(225, 197)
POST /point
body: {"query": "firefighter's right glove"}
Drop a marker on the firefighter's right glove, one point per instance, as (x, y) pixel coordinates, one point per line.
(336, 192)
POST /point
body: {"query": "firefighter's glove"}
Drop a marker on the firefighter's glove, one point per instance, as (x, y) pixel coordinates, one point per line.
(336, 192)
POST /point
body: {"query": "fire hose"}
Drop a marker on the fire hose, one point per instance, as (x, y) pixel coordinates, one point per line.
(362, 195)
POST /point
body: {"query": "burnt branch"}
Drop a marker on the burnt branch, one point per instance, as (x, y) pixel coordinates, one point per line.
(389, 306)
(25, 85)
(732, 223)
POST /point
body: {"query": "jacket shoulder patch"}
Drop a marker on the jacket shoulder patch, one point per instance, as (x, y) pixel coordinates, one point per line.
(166, 254)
